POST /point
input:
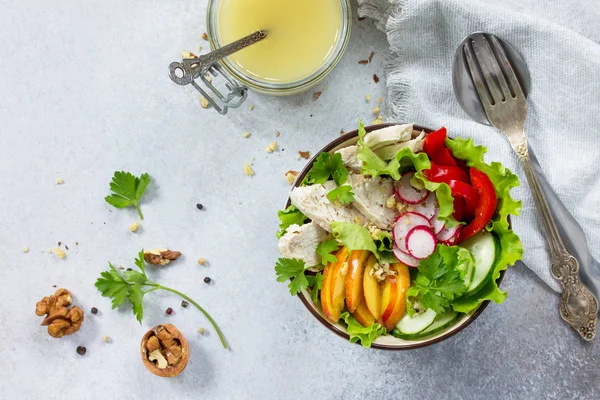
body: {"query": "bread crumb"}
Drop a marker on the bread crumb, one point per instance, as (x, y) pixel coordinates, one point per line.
(25, 249)
(246, 134)
(304, 154)
(59, 181)
(204, 36)
(105, 338)
(380, 100)
(201, 331)
(316, 95)
(376, 110)
(187, 54)
(368, 98)
(134, 227)
(59, 253)
(342, 132)
(277, 134)
(271, 147)
(248, 170)
(251, 107)
(391, 202)
(378, 120)
(202, 261)
(291, 176)
(204, 102)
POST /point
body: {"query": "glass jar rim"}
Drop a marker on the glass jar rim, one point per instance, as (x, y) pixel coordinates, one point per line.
(287, 87)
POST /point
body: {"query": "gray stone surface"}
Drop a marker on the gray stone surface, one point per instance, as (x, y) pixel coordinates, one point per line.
(84, 92)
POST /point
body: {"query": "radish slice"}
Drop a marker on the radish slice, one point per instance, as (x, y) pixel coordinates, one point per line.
(436, 224)
(405, 258)
(428, 207)
(407, 193)
(420, 242)
(449, 236)
(404, 223)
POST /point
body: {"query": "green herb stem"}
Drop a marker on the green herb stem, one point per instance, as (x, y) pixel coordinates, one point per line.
(212, 321)
(139, 210)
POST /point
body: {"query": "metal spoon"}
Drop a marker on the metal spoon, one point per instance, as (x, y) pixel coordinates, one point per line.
(569, 230)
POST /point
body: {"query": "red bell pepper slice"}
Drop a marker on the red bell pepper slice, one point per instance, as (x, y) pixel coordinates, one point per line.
(459, 209)
(445, 173)
(467, 193)
(486, 206)
(435, 147)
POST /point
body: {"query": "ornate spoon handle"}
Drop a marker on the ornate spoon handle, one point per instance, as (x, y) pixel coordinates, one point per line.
(578, 306)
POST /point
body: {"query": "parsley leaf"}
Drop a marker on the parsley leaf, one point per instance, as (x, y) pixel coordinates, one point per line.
(316, 283)
(324, 249)
(291, 268)
(127, 190)
(327, 165)
(289, 216)
(133, 285)
(343, 194)
(440, 278)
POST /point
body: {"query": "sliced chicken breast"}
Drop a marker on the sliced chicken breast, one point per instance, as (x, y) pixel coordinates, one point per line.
(313, 202)
(388, 136)
(349, 157)
(388, 152)
(370, 198)
(301, 242)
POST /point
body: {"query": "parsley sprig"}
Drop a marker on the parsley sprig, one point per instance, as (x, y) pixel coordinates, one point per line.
(133, 285)
(324, 249)
(294, 269)
(127, 190)
(331, 165)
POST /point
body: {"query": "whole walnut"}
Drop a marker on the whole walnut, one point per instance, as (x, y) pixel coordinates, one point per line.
(164, 351)
(60, 319)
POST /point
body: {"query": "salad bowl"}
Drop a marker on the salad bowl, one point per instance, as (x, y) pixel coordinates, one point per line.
(443, 330)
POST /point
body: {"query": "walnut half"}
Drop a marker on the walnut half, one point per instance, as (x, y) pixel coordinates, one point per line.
(164, 351)
(60, 319)
(161, 256)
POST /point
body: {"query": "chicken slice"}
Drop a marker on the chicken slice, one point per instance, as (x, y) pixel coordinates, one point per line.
(388, 152)
(388, 136)
(370, 198)
(349, 158)
(301, 242)
(313, 202)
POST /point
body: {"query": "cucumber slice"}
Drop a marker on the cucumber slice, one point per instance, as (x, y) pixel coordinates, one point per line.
(483, 247)
(440, 323)
(418, 322)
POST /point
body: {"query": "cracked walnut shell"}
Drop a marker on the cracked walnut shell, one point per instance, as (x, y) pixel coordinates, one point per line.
(60, 319)
(161, 256)
(164, 351)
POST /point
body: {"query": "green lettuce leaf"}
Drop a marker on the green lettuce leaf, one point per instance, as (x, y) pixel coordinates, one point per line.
(511, 248)
(289, 216)
(444, 198)
(357, 237)
(357, 332)
(440, 278)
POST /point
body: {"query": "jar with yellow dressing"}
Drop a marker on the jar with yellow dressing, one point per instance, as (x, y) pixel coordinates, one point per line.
(305, 41)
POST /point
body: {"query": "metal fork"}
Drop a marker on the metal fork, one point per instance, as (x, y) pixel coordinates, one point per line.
(506, 107)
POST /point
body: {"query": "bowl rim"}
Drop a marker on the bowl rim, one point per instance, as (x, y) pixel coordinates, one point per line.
(307, 302)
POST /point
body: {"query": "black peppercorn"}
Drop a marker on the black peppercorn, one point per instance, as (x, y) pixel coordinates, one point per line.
(199, 206)
(129, 269)
(207, 280)
(184, 304)
(94, 310)
(169, 311)
(81, 350)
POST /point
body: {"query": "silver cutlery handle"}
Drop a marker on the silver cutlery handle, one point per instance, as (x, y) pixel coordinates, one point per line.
(578, 306)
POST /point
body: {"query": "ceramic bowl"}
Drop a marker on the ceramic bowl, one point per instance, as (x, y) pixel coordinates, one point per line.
(387, 342)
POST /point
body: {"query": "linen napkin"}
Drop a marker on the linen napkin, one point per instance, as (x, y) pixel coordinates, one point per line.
(560, 41)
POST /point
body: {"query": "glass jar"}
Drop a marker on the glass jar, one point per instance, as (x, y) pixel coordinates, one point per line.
(276, 88)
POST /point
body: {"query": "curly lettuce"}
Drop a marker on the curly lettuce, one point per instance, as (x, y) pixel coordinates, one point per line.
(511, 248)
(357, 237)
(359, 333)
